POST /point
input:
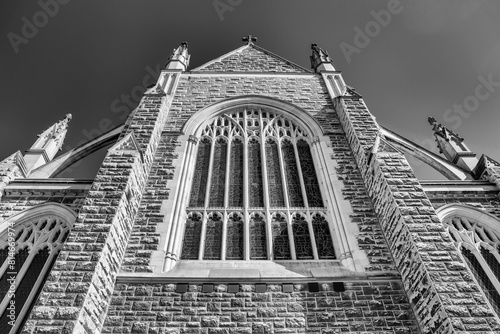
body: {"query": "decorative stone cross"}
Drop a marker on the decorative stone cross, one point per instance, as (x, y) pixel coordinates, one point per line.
(250, 39)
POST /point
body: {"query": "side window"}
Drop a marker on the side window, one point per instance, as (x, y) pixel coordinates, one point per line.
(27, 253)
(479, 247)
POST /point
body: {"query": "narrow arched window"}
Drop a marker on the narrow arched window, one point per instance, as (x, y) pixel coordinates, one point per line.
(255, 192)
(479, 248)
(28, 251)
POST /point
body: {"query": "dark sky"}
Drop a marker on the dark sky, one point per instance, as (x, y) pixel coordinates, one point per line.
(422, 59)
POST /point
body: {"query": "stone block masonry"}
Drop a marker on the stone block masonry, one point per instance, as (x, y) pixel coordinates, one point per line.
(76, 295)
(195, 92)
(440, 288)
(364, 307)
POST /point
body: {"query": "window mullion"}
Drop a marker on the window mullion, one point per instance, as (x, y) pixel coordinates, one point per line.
(291, 240)
(283, 176)
(228, 171)
(224, 235)
(265, 187)
(287, 202)
(226, 197)
(246, 226)
(304, 198)
(203, 234)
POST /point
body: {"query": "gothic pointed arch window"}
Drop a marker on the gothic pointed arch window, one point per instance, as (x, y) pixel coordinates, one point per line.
(255, 193)
(479, 246)
(29, 245)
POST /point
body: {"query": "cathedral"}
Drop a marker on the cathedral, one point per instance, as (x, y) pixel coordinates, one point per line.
(250, 195)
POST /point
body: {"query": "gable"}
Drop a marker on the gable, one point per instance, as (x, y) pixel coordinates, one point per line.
(251, 58)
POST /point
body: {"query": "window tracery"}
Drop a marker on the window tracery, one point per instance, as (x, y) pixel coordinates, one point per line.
(479, 248)
(37, 244)
(252, 168)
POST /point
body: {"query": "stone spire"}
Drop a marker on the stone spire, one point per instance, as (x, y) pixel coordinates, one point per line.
(47, 144)
(452, 146)
(320, 60)
(179, 58)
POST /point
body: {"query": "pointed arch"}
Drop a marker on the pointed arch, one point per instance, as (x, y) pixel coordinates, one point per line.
(201, 118)
(256, 128)
(29, 245)
(476, 234)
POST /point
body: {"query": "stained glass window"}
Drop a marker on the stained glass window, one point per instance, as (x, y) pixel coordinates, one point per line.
(236, 174)
(218, 182)
(483, 279)
(213, 237)
(491, 261)
(281, 244)
(274, 175)
(192, 235)
(302, 238)
(292, 175)
(258, 244)
(37, 245)
(480, 253)
(322, 237)
(234, 239)
(19, 259)
(255, 196)
(200, 175)
(25, 286)
(309, 175)
(252, 143)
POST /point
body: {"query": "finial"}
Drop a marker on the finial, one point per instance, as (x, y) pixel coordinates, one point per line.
(249, 39)
(453, 147)
(179, 58)
(320, 60)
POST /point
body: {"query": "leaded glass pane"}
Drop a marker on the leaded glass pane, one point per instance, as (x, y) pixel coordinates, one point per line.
(234, 240)
(4, 254)
(301, 238)
(274, 175)
(309, 175)
(236, 174)
(292, 175)
(218, 181)
(192, 235)
(25, 287)
(258, 243)
(322, 237)
(19, 259)
(213, 237)
(200, 175)
(491, 261)
(255, 196)
(281, 244)
(483, 279)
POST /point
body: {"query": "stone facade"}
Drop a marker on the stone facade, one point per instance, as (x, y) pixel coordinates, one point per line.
(397, 270)
(375, 307)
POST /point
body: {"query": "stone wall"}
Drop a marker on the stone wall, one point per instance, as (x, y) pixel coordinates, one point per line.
(305, 91)
(487, 202)
(445, 297)
(76, 295)
(364, 307)
(12, 204)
